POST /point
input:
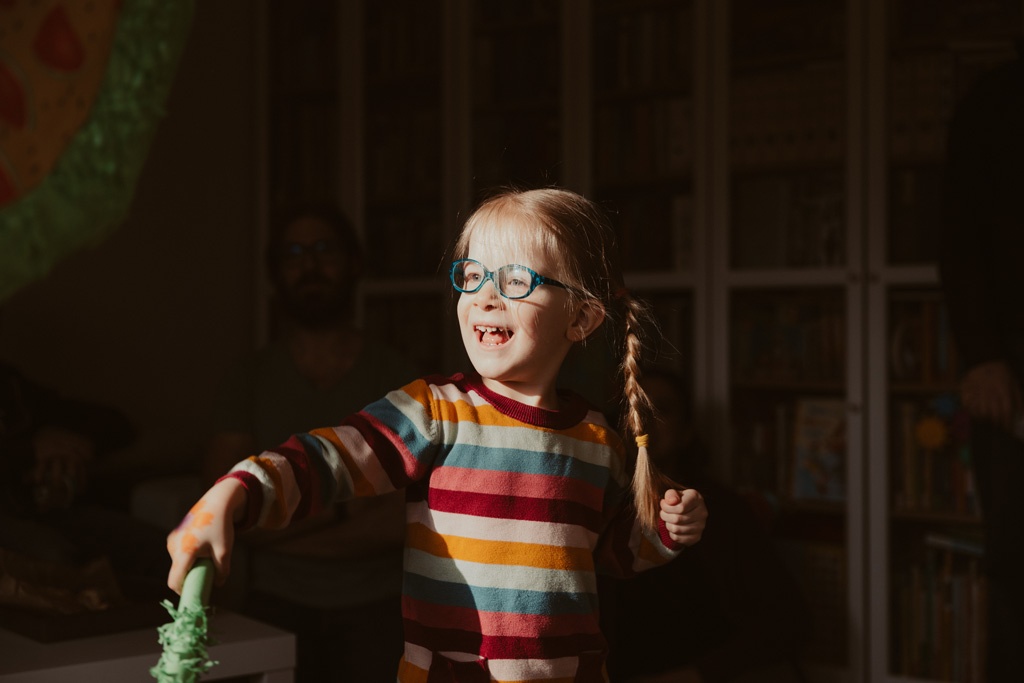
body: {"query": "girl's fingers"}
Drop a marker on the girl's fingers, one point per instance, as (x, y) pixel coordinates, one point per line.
(180, 564)
(672, 498)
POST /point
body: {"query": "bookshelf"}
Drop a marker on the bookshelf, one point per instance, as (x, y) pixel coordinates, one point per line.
(773, 172)
(927, 609)
(516, 81)
(785, 185)
(303, 103)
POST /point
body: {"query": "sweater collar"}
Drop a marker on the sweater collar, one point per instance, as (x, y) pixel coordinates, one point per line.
(574, 407)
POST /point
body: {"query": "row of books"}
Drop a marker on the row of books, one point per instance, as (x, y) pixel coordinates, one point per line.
(404, 154)
(643, 138)
(523, 148)
(389, 317)
(799, 30)
(303, 44)
(921, 348)
(820, 569)
(647, 48)
(304, 153)
(412, 239)
(794, 450)
(510, 68)
(784, 220)
(940, 21)
(940, 612)
(494, 14)
(402, 38)
(924, 88)
(922, 94)
(788, 340)
(930, 467)
(655, 230)
(788, 117)
(915, 208)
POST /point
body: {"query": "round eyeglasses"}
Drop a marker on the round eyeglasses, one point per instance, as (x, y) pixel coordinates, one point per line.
(512, 281)
(321, 250)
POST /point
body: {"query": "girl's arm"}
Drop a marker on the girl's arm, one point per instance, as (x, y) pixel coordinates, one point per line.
(625, 550)
(208, 530)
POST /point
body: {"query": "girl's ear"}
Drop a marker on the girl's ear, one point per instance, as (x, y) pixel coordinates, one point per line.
(588, 318)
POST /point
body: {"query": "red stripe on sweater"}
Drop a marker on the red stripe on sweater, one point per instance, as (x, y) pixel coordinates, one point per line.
(254, 497)
(518, 483)
(503, 647)
(514, 507)
(392, 454)
(295, 454)
(505, 624)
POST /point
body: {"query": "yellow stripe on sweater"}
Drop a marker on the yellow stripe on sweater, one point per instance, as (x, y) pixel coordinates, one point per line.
(496, 552)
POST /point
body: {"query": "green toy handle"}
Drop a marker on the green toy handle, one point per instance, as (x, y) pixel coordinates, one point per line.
(195, 591)
(185, 639)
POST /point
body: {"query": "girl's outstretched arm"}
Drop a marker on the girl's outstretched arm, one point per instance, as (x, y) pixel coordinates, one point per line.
(208, 530)
(684, 514)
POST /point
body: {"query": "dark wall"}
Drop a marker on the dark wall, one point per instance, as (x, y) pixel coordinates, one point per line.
(148, 320)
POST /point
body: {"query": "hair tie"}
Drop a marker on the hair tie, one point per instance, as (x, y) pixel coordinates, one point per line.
(641, 441)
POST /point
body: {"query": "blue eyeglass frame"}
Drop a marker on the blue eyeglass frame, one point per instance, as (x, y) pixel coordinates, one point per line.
(536, 279)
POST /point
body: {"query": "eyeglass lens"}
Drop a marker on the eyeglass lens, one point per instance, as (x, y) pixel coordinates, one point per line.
(512, 281)
(318, 249)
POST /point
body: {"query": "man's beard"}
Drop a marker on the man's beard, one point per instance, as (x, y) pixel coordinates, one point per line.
(318, 308)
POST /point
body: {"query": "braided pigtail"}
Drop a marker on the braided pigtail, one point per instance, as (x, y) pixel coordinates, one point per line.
(648, 482)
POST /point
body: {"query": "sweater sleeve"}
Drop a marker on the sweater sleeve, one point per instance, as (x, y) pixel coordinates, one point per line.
(624, 548)
(386, 446)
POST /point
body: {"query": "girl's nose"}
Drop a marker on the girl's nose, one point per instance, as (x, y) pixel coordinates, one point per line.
(488, 294)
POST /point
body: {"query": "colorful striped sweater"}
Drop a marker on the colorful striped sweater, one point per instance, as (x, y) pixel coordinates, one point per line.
(512, 510)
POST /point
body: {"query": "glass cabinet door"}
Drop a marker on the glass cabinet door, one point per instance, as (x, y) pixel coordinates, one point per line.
(403, 162)
(788, 261)
(403, 177)
(928, 623)
(643, 156)
(643, 129)
(515, 84)
(303, 121)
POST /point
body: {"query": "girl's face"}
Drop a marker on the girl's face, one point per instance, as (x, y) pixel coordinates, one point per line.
(517, 346)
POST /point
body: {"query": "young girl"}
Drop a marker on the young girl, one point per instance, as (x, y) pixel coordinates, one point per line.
(517, 493)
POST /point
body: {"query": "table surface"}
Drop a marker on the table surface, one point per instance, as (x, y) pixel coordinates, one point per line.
(242, 646)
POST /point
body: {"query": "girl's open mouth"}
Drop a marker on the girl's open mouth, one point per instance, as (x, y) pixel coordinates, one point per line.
(492, 336)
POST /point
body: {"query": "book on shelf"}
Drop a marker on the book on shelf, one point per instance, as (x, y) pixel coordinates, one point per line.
(921, 349)
(788, 339)
(940, 599)
(971, 546)
(819, 450)
(788, 219)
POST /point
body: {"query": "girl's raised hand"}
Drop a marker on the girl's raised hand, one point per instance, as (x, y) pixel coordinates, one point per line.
(684, 514)
(208, 530)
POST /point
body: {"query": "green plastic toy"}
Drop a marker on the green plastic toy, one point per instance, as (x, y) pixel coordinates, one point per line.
(186, 638)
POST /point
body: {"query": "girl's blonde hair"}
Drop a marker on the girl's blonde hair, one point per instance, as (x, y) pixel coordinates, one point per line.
(579, 233)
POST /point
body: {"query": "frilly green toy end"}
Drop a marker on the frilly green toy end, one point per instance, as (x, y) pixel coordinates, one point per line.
(185, 639)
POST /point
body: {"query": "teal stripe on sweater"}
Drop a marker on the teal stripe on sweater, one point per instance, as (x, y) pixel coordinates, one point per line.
(320, 472)
(507, 600)
(408, 429)
(526, 462)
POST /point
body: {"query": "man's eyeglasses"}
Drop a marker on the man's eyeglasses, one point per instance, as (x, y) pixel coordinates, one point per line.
(321, 249)
(512, 281)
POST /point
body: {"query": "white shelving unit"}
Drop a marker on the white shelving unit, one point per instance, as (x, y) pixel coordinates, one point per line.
(754, 108)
